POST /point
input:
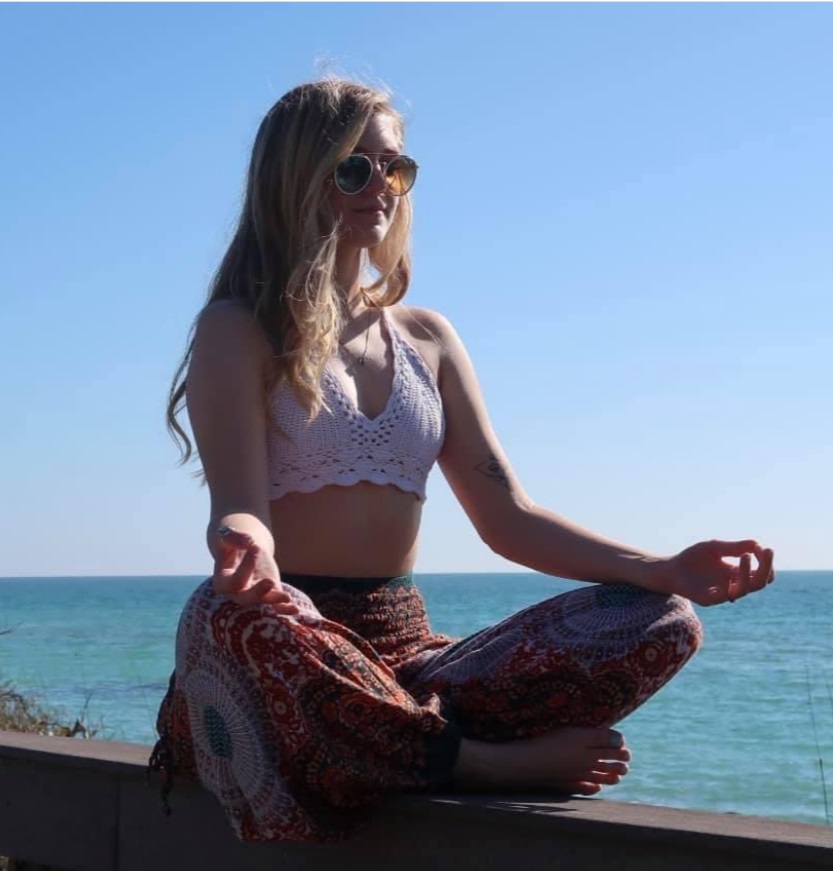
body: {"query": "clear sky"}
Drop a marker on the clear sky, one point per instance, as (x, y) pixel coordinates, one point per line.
(624, 209)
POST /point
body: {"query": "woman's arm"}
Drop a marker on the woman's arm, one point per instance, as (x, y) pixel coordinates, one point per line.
(224, 393)
(512, 525)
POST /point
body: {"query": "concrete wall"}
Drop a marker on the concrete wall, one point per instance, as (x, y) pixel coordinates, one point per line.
(77, 804)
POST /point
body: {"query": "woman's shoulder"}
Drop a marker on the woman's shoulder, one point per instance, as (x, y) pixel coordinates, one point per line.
(230, 318)
(227, 311)
(422, 324)
(429, 332)
(227, 328)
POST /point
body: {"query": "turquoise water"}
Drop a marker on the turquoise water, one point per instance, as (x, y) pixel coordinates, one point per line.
(733, 732)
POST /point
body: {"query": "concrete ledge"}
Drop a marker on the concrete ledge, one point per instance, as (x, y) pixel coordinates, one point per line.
(78, 804)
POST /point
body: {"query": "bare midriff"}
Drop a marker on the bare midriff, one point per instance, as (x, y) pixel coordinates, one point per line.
(362, 531)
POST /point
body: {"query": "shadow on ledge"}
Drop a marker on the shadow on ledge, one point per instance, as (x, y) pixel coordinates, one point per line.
(74, 804)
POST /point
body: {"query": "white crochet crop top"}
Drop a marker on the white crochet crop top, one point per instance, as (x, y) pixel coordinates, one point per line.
(343, 446)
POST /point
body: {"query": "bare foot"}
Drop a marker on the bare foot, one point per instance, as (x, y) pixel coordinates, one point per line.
(572, 759)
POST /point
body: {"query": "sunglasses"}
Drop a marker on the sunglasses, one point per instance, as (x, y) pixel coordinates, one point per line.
(353, 174)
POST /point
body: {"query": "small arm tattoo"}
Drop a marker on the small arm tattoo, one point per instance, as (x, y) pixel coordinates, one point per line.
(493, 469)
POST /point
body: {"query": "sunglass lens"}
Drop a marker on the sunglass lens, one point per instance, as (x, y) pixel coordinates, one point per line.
(400, 175)
(353, 173)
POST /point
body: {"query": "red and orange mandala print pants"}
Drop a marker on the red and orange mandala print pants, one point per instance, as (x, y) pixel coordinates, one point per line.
(299, 725)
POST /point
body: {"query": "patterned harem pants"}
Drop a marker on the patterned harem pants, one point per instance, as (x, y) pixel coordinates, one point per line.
(298, 725)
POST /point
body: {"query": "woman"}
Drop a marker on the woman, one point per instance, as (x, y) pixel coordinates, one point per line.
(308, 682)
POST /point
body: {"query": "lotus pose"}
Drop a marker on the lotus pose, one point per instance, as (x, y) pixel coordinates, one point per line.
(308, 681)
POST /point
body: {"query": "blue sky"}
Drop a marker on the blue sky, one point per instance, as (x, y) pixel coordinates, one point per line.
(624, 210)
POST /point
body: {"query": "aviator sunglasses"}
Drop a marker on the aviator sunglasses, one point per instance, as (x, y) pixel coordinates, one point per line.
(352, 175)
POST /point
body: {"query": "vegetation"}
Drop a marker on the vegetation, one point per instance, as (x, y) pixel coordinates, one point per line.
(19, 713)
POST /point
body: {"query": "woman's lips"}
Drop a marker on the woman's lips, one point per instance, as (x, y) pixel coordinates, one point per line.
(373, 216)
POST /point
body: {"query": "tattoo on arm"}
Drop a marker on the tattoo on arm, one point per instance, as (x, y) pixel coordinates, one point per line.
(493, 469)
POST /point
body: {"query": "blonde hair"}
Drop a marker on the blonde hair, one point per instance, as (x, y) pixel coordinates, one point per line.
(281, 261)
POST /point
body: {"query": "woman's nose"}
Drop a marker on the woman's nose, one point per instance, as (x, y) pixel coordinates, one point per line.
(377, 183)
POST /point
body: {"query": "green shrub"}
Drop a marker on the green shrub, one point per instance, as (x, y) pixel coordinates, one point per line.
(19, 713)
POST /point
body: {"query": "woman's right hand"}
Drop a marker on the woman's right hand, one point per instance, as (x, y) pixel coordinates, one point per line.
(247, 574)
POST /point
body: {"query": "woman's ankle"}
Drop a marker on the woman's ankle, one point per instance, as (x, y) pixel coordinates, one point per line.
(476, 763)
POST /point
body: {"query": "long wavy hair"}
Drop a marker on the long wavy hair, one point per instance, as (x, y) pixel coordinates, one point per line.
(281, 260)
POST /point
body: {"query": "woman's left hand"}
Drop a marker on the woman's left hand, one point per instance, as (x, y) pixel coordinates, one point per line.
(702, 574)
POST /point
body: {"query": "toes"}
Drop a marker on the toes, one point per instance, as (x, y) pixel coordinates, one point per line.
(618, 768)
(604, 777)
(623, 755)
(608, 739)
(584, 787)
(605, 773)
(592, 756)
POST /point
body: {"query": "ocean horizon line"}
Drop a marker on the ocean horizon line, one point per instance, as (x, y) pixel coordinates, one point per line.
(203, 575)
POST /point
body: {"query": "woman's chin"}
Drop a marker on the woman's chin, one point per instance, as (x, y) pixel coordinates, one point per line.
(364, 237)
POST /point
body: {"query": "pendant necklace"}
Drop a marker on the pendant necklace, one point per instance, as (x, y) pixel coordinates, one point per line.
(362, 358)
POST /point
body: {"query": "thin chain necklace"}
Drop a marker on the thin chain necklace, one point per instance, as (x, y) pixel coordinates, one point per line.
(361, 359)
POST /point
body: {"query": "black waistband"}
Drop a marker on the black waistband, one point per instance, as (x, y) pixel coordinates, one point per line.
(313, 584)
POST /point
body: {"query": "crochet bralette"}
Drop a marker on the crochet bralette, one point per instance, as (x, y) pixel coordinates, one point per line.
(343, 446)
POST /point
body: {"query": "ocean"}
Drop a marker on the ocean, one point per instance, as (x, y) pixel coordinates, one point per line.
(746, 727)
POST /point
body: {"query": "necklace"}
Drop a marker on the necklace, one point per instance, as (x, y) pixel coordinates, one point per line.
(361, 359)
